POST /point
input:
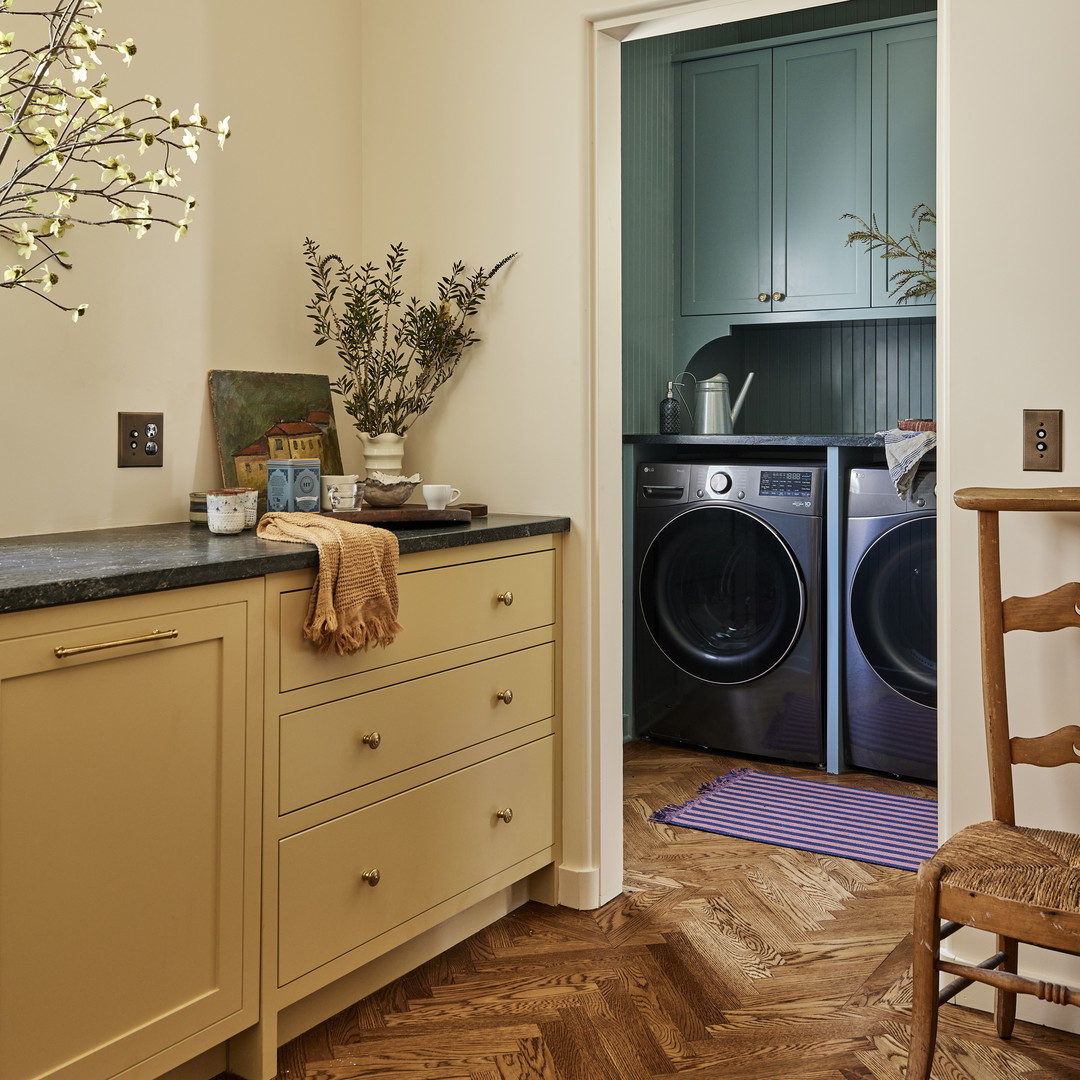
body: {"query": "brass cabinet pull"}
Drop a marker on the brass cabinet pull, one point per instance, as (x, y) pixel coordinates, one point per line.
(372, 739)
(372, 877)
(763, 297)
(778, 296)
(506, 815)
(505, 696)
(62, 651)
(506, 598)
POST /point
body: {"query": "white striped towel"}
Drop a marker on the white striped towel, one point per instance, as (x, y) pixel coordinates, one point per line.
(903, 452)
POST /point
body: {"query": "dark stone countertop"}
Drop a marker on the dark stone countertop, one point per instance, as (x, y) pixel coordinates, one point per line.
(755, 440)
(67, 568)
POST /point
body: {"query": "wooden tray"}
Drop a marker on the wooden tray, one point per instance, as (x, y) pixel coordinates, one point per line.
(404, 516)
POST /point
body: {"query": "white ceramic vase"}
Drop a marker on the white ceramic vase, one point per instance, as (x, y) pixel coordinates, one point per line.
(383, 453)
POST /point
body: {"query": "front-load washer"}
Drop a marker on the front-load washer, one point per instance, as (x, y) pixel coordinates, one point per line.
(890, 648)
(727, 636)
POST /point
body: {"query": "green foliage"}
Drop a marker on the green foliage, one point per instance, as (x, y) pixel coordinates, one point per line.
(63, 140)
(910, 281)
(393, 362)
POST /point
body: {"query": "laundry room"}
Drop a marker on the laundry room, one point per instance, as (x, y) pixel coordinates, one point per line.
(779, 388)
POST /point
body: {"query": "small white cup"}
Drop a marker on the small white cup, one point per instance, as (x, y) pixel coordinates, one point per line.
(440, 496)
(225, 511)
(249, 500)
(327, 482)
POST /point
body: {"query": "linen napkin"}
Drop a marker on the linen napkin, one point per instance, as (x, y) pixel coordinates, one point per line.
(903, 452)
(354, 601)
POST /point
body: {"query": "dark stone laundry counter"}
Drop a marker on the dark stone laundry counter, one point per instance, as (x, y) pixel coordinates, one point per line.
(67, 568)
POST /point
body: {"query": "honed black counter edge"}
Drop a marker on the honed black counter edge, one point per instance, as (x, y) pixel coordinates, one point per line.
(754, 440)
(98, 564)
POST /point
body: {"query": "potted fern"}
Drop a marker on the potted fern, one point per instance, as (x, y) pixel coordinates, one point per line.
(396, 352)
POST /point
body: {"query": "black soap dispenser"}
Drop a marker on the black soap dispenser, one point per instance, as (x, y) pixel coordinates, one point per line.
(669, 412)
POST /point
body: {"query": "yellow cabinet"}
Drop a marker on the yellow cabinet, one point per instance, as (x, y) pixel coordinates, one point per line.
(130, 757)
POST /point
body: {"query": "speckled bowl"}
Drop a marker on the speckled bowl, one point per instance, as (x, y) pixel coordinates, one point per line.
(385, 492)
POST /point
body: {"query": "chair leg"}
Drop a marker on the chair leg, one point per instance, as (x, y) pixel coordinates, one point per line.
(1005, 1002)
(924, 975)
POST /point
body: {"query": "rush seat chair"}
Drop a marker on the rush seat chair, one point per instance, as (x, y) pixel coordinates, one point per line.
(1020, 884)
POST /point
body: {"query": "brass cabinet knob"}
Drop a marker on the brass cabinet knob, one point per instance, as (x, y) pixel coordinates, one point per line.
(505, 696)
(763, 297)
(372, 877)
(778, 296)
(506, 815)
(506, 598)
(372, 739)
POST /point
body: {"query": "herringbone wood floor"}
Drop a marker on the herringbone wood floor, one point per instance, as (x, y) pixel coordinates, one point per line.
(721, 958)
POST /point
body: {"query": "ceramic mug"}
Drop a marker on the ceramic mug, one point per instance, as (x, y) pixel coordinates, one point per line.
(327, 482)
(225, 511)
(440, 496)
(249, 500)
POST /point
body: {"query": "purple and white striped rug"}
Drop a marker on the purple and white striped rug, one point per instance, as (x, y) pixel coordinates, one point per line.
(868, 826)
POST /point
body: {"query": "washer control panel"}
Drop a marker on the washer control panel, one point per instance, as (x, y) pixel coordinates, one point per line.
(794, 490)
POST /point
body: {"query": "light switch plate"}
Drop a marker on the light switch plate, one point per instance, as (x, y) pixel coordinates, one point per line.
(1042, 439)
(139, 440)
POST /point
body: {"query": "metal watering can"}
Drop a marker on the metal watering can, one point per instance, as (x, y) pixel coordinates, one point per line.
(713, 412)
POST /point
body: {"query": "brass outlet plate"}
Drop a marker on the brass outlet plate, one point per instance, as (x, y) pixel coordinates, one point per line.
(139, 440)
(1042, 439)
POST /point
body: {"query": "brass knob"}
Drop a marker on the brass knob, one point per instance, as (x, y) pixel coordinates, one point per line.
(506, 815)
(778, 296)
(372, 877)
(372, 739)
(505, 696)
(763, 297)
(506, 598)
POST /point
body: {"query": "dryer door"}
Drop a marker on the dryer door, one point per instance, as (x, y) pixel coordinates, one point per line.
(722, 594)
(893, 609)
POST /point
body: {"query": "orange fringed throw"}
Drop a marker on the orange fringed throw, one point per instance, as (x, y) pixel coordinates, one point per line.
(354, 602)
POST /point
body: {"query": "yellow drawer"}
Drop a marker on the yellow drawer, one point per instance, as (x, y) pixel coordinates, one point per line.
(323, 749)
(427, 845)
(443, 608)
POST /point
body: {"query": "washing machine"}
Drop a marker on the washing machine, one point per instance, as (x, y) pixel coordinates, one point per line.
(727, 636)
(890, 649)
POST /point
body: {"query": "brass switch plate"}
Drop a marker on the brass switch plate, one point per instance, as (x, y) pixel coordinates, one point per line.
(139, 440)
(1042, 439)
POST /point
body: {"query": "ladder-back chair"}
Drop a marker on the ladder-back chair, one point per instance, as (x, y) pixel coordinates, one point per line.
(1020, 884)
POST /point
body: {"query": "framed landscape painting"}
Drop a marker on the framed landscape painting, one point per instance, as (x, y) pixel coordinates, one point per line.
(262, 416)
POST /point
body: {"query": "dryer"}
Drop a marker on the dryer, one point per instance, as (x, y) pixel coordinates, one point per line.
(727, 633)
(890, 647)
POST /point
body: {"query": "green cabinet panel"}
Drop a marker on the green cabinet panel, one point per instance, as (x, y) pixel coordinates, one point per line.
(904, 104)
(777, 144)
(726, 181)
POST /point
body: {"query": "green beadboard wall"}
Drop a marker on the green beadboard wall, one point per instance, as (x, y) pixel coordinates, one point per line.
(858, 376)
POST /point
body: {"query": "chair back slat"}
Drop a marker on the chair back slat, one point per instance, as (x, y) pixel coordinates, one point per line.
(1054, 610)
(1056, 748)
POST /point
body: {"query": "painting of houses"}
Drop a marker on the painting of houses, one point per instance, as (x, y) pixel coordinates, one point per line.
(264, 416)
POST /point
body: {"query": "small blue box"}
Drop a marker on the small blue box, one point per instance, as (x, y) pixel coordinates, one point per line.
(291, 484)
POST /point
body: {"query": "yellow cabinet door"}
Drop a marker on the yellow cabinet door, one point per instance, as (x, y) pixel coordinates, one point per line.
(123, 851)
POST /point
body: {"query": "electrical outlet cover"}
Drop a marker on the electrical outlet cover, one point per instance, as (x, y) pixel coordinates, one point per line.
(139, 440)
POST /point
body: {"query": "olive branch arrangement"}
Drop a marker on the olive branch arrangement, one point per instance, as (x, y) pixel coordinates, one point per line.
(393, 362)
(58, 128)
(911, 281)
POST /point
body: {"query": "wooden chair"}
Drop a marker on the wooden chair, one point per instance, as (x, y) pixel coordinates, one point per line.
(1020, 884)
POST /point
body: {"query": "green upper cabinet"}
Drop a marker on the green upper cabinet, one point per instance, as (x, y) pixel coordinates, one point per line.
(905, 105)
(777, 144)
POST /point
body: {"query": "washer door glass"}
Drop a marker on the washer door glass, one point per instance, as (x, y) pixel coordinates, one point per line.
(894, 609)
(722, 595)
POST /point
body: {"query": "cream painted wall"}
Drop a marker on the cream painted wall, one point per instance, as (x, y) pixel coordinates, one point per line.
(1009, 166)
(230, 295)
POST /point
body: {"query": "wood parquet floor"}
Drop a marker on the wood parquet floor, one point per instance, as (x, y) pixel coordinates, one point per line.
(722, 958)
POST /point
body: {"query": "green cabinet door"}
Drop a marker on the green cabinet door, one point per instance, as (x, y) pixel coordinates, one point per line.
(821, 170)
(726, 182)
(904, 127)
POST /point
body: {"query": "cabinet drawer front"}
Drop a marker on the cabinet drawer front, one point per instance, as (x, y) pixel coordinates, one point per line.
(439, 609)
(427, 844)
(323, 752)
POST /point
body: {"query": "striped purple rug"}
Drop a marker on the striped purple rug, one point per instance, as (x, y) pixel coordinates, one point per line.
(868, 826)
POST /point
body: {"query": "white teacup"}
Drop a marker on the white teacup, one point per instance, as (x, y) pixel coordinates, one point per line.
(327, 482)
(225, 511)
(440, 496)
